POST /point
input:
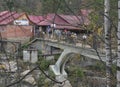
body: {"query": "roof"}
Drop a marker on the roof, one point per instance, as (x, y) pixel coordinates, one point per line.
(61, 20)
(35, 19)
(71, 19)
(7, 17)
(76, 20)
(53, 18)
(64, 21)
(45, 23)
(3, 13)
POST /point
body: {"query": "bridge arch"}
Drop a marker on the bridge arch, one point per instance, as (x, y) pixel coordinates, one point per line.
(59, 67)
(68, 57)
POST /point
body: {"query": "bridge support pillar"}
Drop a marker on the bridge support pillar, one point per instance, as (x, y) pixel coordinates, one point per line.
(58, 68)
(59, 71)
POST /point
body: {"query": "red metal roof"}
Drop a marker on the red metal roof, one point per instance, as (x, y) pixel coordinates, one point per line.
(3, 13)
(76, 20)
(45, 23)
(36, 19)
(71, 19)
(61, 21)
(53, 18)
(7, 17)
(64, 21)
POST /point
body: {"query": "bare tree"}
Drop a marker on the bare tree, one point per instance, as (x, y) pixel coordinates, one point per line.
(107, 42)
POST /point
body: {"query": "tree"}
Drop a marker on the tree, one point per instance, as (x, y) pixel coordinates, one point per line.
(107, 42)
(49, 6)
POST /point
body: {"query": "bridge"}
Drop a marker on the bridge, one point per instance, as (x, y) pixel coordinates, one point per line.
(86, 51)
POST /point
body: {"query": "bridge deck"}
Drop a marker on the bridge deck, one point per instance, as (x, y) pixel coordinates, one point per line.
(85, 51)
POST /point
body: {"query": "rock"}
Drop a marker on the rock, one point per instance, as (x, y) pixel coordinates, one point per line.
(25, 72)
(12, 65)
(63, 79)
(30, 80)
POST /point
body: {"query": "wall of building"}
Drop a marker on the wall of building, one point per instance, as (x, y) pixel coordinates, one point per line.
(14, 31)
(3, 32)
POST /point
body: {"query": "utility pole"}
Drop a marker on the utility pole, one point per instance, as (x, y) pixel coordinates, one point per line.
(118, 36)
(107, 42)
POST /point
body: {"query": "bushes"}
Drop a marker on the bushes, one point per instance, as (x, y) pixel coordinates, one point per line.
(25, 46)
(43, 63)
(76, 72)
(99, 67)
(80, 73)
(43, 80)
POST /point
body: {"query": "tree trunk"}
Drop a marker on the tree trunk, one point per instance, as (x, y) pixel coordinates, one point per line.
(107, 42)
(118, 59)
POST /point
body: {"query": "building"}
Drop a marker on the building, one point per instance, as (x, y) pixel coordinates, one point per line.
(18, 26)
(64, 22)
(22, 27)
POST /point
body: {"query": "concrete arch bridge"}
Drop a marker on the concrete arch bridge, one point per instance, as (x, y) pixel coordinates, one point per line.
(59, 66)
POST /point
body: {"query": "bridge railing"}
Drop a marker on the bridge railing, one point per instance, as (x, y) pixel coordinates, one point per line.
(74, 39)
